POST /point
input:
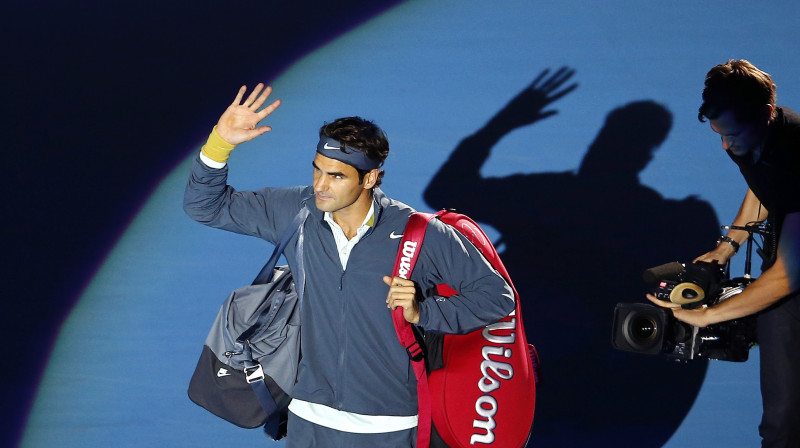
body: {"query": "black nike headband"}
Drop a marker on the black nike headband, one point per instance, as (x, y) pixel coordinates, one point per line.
(332, 149)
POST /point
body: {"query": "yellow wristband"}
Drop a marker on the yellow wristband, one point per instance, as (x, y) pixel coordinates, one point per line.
(216, 148)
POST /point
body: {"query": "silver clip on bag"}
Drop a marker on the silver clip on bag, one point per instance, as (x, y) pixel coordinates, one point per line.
(248, 365)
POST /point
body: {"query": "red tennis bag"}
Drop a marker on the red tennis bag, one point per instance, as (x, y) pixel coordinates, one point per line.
(485, 393)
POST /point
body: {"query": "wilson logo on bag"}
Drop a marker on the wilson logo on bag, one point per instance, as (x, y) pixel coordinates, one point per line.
(485, 394)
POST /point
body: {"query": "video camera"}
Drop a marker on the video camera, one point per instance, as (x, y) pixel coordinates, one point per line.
(649, 329)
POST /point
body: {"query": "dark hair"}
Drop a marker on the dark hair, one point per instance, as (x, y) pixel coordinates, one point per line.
(740, 87)
(363, 135)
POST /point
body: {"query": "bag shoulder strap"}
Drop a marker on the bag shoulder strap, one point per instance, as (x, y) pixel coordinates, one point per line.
(407, 255)
(254, 373)
(267, 272)
(265, 275)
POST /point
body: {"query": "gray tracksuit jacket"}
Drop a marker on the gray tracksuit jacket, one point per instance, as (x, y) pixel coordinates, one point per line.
(352, 360)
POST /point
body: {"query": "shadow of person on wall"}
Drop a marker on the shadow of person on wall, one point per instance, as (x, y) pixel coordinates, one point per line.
(575, 244)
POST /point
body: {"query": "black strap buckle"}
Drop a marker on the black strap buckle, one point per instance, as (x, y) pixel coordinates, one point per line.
(415, 352)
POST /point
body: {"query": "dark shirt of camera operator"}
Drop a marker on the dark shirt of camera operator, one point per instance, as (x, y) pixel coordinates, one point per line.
(774, 177)
(772, 171)
(766, 148)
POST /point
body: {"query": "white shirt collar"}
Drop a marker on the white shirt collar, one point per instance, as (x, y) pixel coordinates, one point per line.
(343, 245)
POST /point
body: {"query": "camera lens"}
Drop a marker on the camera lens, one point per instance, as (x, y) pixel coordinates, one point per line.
(642, 331)
(643, 328)
(639, 328)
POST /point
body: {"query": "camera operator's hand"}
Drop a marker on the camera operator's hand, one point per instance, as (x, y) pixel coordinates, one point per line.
(720, 255)
(698, 317)
(750, 211)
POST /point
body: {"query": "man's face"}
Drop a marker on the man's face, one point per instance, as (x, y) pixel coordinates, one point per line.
(738, 138)
(336, 185)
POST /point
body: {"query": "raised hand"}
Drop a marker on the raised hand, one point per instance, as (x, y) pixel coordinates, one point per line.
(239, 122)
(528, 106)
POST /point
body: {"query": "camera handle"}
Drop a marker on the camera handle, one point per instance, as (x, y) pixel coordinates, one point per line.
(757, 227)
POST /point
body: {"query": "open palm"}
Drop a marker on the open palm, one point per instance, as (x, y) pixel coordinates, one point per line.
(240, 121)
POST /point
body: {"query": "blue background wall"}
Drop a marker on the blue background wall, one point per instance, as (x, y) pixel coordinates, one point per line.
(110, 296)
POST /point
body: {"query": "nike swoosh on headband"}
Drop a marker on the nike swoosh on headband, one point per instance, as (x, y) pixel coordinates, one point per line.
(333, 149)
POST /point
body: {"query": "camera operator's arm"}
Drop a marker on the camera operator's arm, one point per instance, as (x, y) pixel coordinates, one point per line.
(751, 210)
(782, 279)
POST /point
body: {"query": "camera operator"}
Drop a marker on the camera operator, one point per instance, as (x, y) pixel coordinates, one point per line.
(764, 141)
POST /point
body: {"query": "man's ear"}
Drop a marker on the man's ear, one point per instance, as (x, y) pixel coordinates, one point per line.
(768, 110)
(370, 179)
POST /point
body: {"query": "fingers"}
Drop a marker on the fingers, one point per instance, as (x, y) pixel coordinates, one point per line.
(535, 84)
(554, 81)
(263, 113)
(711, 257)
(261, 130)
(239, 95)
(707, 257)
(697, 317)
(547, 114)
(662, 303)
(402, 292)
(565, 91)
(399, 301)
(559, 78)
(256, 99)
(253, 95)
(397, 281)
(549, 85)
(240, 121)
(259, 101)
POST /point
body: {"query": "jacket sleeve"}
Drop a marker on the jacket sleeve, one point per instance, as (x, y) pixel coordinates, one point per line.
(209, 200)
(484, 296)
